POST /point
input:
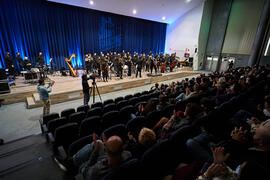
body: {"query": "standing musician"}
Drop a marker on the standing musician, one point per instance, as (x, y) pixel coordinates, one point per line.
(20, 61)
(88, 63)
(157, 61)
(98, 64)
(9, 64)
(104, 69)
(172, 62)
(129, 64)
(40, 59)
(153, 64)
(120, 67)
(139, 66)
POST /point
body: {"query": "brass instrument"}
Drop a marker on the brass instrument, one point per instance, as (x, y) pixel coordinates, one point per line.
(74, 73)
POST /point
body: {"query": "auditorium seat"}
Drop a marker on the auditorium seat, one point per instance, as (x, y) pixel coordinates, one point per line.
(125, 112)
(156, 160)
(168, 111)
(109, 107)
(97, 111)
(116, 130)
(129, 170)
(127, 97)
(134, 100)
(142, 103)
(152, 118)
(118, 99)
(108, 101)
(79, 144)
(64, 136)
(76, 117)
(55, 123)
(135, 125)
(109, 119)
(83, 108)
(144, 97)
(46, 119)
(97, 104)
(122, 104)
(144, 92)
(67, 112)
(138, 94)
(90, 125)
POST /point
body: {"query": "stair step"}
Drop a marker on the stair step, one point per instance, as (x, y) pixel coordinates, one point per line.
(36, 97)
(30, 103)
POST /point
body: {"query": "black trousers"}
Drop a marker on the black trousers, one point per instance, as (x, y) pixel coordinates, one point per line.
(151, 68)
(139, 70)
(86, 98)
(105, 75)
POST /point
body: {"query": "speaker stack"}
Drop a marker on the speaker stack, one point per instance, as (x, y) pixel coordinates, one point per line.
(4, 85)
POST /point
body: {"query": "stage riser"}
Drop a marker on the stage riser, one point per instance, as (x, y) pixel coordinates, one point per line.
(77, 94)
(74, 95)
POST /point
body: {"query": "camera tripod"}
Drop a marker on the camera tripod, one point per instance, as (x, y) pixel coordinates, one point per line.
(93, 90)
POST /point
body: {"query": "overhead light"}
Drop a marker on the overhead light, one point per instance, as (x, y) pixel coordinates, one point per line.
(91, 2)
(163, 17)
(134, 11)
(188, 1)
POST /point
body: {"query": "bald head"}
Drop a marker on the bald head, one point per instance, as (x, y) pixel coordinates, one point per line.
(114, 146)
(262, 137)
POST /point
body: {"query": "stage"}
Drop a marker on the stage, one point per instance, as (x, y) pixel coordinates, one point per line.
(67, 88)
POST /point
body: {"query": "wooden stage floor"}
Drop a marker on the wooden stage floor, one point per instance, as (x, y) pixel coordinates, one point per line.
(69, 88)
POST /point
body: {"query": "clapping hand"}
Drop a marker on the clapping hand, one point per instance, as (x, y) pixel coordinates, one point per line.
(215, 170)
(238, 134)
(218, 155)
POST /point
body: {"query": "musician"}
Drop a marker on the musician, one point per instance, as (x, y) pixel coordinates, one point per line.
(88, 63)
(172, 62)
(139, 66)
(20, 61)
(158, 62)
(153, 64)
(98, 64)
(120, 67)
(40, 59)
(104, 69)
(27, 63)
(129, 64)
(9, 64)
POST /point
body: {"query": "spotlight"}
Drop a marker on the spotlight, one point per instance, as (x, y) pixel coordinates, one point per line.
(163, 17)
(134, 11)
(188, 1)
(91, 2)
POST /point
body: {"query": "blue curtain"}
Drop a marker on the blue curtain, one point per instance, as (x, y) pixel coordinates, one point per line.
(30, 26)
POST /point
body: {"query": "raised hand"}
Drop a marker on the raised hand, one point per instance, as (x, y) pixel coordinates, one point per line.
(218, 155)
(215, 170)
(239, 135)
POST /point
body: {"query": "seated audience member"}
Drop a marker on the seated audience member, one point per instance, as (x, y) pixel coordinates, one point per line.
(102, 157)
(191, 113)
(146, 139)
(158, 127)
(162, 102)
(155, 88)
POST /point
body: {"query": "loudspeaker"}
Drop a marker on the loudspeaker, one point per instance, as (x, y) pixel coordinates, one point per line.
(4, 87)
(3, 74)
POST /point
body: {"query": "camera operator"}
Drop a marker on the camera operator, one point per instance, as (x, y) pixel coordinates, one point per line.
(86, 87)
(44, 95)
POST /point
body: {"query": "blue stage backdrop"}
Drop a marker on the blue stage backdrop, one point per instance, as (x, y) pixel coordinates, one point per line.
(30, 26)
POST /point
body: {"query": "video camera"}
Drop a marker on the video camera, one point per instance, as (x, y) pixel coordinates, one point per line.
(93, 77)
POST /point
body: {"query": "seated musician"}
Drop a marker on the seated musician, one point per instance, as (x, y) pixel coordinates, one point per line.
(27, 64)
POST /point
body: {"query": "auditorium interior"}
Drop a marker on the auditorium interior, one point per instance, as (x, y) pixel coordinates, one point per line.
(134, 90)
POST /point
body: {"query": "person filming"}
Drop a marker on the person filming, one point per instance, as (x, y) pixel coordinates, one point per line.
(44, 95)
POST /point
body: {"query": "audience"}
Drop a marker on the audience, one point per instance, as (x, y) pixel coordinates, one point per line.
(233, 140)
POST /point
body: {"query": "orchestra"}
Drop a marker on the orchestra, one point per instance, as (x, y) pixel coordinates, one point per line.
(113, 63)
